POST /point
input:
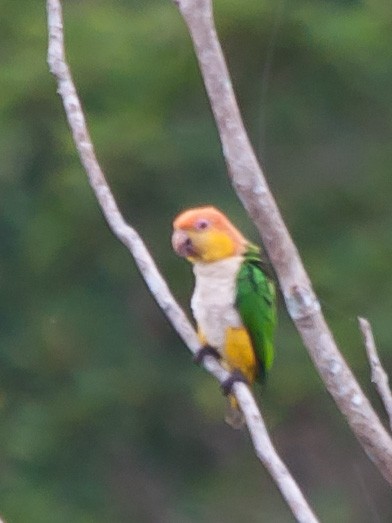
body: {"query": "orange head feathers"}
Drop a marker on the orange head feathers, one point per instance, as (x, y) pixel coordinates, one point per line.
(204, 234)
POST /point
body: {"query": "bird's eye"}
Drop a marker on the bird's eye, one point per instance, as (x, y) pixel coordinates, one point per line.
(202, 224)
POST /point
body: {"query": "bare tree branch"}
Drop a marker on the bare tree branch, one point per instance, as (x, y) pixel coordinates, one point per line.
(379, 376)
(264, 448)
(249, 182)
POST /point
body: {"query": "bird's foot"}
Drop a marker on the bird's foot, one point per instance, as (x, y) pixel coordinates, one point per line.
(204, 351)
(235, 377)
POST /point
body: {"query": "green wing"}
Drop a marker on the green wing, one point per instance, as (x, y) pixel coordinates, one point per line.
(256, 304)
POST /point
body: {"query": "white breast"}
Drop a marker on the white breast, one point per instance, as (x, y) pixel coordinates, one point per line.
(213, 299)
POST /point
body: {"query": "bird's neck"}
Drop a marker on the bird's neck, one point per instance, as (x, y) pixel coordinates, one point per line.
(218, 270)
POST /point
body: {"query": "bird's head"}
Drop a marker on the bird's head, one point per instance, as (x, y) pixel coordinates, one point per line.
(204, 234)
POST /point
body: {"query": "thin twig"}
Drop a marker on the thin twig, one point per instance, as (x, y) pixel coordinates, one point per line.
(378, 374)
(267, 70)
(128, 236)
(252, 189)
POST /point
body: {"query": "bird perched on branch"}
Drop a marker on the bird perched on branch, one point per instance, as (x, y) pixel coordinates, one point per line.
(233, 301)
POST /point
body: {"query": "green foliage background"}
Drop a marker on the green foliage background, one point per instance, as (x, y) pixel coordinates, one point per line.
(102, 415)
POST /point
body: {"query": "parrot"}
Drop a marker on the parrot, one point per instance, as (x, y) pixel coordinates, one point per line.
(234, 300)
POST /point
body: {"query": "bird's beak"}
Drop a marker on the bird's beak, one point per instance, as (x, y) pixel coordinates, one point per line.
(182, 244)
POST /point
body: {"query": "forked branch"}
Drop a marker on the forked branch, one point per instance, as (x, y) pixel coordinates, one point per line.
(251, 187)
(378, 374)
(155, 282)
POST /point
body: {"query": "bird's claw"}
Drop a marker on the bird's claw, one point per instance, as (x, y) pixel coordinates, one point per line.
(204, 351)
(235, 377)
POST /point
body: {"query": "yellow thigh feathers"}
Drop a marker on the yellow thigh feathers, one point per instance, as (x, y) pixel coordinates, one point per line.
(237, 352)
